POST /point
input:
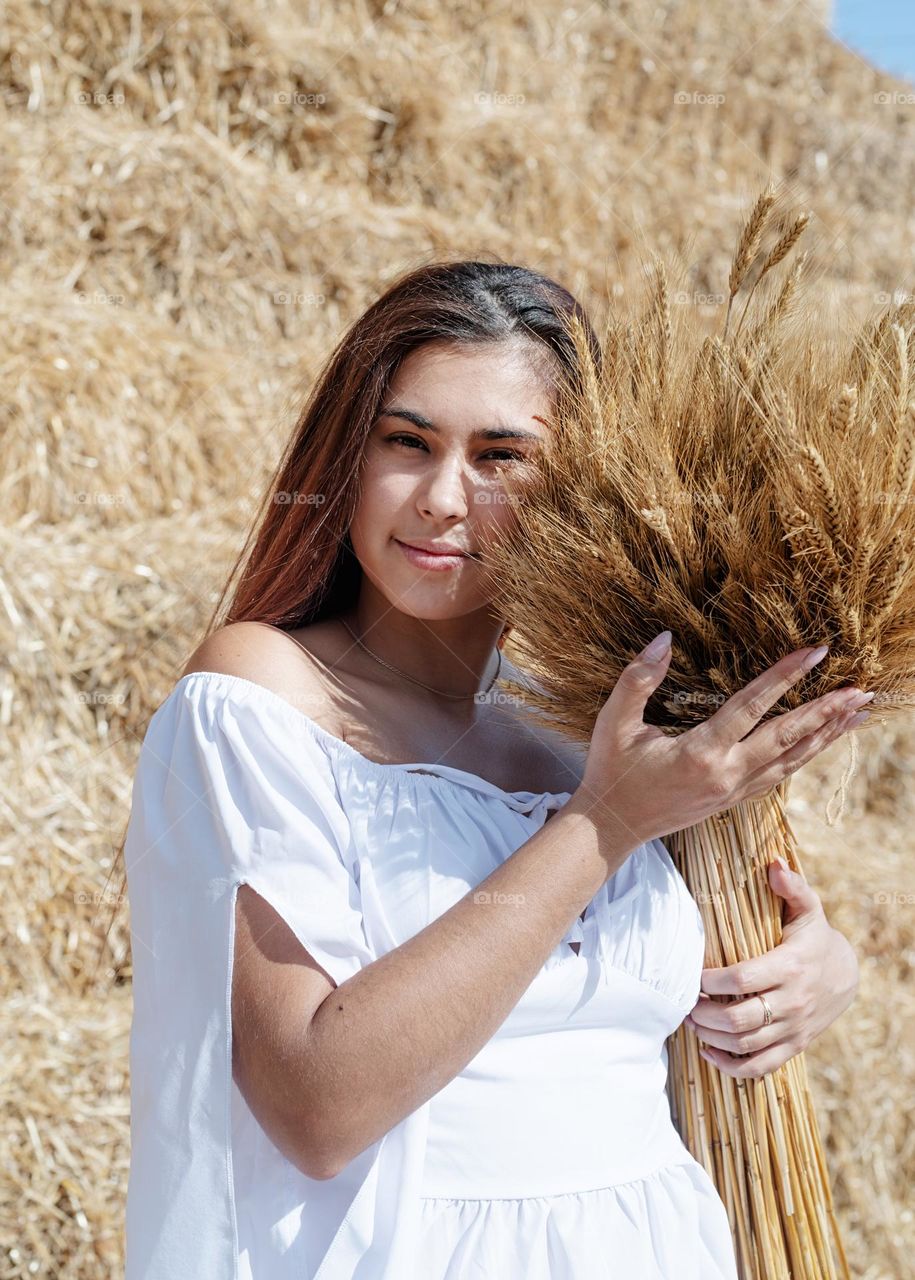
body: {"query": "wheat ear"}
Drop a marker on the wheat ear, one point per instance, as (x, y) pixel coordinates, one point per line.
(748, 245)
(843, 414)
(779, 250)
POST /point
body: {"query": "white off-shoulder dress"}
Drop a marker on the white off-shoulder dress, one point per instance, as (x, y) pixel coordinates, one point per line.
(551, 1156)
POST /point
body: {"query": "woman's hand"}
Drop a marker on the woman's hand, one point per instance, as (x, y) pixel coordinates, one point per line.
(808, 980)
(641, 783)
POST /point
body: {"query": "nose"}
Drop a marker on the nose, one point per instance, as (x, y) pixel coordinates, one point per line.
(442, 491)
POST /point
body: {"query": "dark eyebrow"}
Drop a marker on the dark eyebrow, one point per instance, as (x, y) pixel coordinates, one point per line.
(484, 433)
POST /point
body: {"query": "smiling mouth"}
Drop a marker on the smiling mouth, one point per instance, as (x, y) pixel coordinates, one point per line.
(466, 555)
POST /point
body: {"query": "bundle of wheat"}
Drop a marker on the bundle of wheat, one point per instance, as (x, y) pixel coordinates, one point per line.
(753, 493)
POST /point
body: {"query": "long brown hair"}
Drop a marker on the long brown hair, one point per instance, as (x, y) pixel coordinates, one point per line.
(297, 563)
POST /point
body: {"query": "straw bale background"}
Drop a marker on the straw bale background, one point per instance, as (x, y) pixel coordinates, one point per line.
(194, 202)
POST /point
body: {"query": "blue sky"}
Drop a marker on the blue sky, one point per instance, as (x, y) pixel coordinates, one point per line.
(882, 30)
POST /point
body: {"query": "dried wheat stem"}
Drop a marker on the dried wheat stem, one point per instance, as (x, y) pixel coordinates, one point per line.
(842, 420)
(779, 250)
(786, 416)
(784, 246)
(635, 584)
(662, 318)
(897, 561)
(747, 365)
(758, 1139)
(780, 610)
(864, 550)
(591, 401)
(780, 309)
(855, 505)
(810, 544)
(822, 485)
(847, 614)
(656, 518)
(905, 459)
(900, 375)
(863, 360)
(747, 246)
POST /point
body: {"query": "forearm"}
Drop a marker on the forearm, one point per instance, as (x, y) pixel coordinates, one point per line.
(390, 1037)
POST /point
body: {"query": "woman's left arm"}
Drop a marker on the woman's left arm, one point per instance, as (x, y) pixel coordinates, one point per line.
(807, 981)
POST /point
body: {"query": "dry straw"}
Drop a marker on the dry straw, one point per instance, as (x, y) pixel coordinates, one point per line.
(752, 492)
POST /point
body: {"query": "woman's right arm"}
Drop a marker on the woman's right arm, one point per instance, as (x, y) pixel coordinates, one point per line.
(328, 1070)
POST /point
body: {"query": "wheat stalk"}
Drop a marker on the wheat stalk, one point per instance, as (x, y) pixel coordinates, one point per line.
(776, 254)
(905, 459)
(843, 417)
(748, 244)
(900, 374)
(826, 505)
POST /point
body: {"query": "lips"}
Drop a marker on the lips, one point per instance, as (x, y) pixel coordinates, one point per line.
(435, 551)
(433, 561)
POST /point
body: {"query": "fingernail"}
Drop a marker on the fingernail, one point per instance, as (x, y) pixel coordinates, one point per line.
(782, 863)
(858, 700)
(858, 719)
(813, 658)
(658, 647)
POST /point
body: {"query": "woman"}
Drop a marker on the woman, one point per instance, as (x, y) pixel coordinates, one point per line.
(405, 960)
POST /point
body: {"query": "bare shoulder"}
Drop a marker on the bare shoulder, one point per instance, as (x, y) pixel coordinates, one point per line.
(268, 657)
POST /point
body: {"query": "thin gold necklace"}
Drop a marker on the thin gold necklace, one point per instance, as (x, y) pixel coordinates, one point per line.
(407, 676)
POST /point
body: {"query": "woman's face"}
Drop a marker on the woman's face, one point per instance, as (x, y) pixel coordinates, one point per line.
(431, 475)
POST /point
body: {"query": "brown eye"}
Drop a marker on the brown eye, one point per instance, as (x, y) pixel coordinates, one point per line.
(408, 440)
(493, 455)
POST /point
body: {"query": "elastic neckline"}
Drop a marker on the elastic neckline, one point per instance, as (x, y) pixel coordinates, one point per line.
(330, 739)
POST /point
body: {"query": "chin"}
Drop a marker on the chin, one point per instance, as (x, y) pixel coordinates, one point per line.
(430, 603)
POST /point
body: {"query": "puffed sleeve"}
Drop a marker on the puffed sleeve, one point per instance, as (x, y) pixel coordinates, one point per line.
(228, 789)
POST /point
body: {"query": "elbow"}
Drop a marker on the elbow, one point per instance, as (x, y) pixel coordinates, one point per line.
(298, 1138)
(328, 1157)
(316, 1165)
(317, 1156)
(331, 1161)
(314, 1159)
(320, 1172)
